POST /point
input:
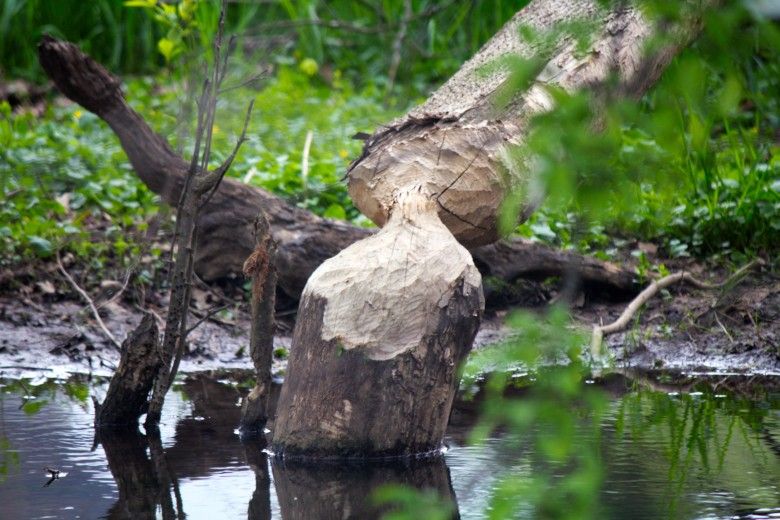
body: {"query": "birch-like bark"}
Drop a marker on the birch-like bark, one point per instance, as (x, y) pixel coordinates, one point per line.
(454, 145)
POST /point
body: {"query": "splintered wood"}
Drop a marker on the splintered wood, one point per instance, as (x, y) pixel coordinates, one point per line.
(382, 291)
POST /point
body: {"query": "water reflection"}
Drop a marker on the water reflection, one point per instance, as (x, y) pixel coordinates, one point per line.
(671, 448)
(329, 491)
(143, 481)
(147, 475)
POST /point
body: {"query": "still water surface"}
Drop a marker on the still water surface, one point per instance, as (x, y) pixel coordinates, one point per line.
(671, 448)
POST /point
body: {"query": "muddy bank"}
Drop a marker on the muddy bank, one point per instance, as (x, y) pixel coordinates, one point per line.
(684, 329)
(735, 330)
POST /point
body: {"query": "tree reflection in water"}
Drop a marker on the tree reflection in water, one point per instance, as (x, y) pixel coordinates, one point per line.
(657, 448)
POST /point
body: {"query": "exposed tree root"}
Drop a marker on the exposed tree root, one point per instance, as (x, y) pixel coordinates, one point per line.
(599, 331)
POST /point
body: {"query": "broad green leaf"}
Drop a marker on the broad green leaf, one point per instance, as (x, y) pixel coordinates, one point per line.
(40, 245)
(166, 48)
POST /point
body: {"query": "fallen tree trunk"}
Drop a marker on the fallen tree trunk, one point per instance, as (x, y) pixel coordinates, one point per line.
(382, 326)
(225, 226)
(454, 145)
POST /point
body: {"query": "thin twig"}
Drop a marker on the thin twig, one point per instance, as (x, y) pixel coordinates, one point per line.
(211, 180)
(599, 331)
(395, 60)
(205, 317)
(725, 331)
(305, 159)
(329, 24)
(89, 301)
(244, 83)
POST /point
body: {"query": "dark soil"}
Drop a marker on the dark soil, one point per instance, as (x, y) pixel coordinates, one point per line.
(43, 325)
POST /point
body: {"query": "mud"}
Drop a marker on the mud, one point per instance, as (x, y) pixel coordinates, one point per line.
(683, 329)
(737, 330)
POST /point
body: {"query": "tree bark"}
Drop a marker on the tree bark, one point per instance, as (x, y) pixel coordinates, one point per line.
(127, 396)
(261, 267)
(454, 145)
(383, 326)
(225, 239)
(381, 331)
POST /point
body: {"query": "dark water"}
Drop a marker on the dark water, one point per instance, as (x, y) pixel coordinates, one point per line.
(670, 448)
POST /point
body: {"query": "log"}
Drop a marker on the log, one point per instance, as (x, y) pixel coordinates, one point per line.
(383, 326)
(303, 239)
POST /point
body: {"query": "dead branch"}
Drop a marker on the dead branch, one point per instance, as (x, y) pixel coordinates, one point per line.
(599, 331)
(89, 301)
(200, 184)
(395, 60)
(207, 316)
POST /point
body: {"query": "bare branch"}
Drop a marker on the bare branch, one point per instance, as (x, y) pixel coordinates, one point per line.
(329, 24)
(210, 181)
(244, 83)
(214, 310)
(89, 301)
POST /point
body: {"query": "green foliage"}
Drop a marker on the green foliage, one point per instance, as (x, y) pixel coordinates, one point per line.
(410, 504)
(289, 107)
(118, 37)
(706, 434)
(9, 458)
(70, 179)
(352, 36)
(63, 182)
(693, 165)
(358, 37)
(556, 403)
(178, 20)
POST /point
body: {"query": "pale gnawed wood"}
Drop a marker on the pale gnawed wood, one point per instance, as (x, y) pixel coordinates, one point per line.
(382, 291)
(381, 330)
(454, 144)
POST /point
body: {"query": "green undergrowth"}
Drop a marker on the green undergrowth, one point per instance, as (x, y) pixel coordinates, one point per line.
(67, 185)
(694, 166)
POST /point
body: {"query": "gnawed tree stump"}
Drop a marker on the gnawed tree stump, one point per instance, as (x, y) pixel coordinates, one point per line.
(383, 325)
(303, 239)
(382, 329)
